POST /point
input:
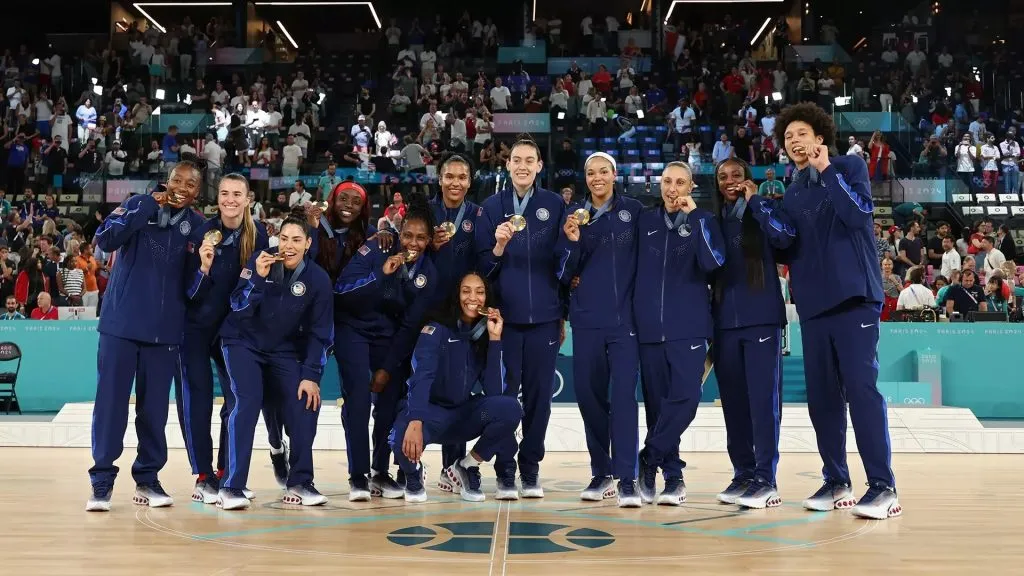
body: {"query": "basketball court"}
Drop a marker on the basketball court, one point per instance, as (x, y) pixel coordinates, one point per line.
(960, 512)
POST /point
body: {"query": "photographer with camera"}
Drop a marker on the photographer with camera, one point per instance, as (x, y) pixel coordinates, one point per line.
(932, 161)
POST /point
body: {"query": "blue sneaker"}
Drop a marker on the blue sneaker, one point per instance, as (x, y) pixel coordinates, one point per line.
(467, 480)
(100, 500)
(414, 492)
(279, 460)
(832, 494)
(674, 493)
(734, 490)
(648, 479)
(879, 503)
(531, 487)
(506, 488)
(358, 489)
(760, 494)
(628, 495)
(152, 495)
(600, 487)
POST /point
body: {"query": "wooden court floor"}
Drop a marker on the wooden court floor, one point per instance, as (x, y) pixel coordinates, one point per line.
(964, 514)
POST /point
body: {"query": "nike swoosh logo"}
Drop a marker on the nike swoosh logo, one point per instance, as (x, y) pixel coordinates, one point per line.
(553, 343)
(509, 215)
(450, 340)
(764, 339)
(632, 333)
(652, 232)
(867, 325)
(695, 347)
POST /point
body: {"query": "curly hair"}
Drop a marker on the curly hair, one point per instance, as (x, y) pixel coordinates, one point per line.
(813, 115)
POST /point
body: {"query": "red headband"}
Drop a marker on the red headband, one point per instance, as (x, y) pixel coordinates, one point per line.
(349, 185)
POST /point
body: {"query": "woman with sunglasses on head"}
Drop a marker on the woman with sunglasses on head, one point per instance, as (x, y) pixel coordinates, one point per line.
(458, 350)
(749, 315)
(140, 331)
(222, 246)
(453, 252)
(681, 245)
(383, 296)
(275, 342)
(601, 236)
(517, 241)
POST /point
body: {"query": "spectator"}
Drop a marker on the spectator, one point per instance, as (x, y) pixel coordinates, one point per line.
(966, 296)
(11, 311)
(299, 196)
(994, 257)
(916, 295)
(950, 258)
(291, 158)
(70, 282)
(44, 308)
(90, 267)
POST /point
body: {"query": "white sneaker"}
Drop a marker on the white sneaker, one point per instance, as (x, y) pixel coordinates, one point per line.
(383, 485)
(760, 495)
(446, 485)
(506, 489)
(530, 487)
(600, 487)
(734, 490)
(249, 494)
(629, 497)
(232, 499)
(879, 503)
(204, 492)
(100, 499)
(358, 489)
(830, 496)
(305, 495)
(152, 495)
(674, 493)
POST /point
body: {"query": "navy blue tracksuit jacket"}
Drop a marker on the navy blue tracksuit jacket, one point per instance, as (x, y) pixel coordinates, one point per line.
(458, 255)
(284, 315)
(145, 297)
(526, 276)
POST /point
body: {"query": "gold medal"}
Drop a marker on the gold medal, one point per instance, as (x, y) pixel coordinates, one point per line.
(213, 237)
(582, 216)
(449, 228)
(410, 255)
(321, 206)
(518, 222)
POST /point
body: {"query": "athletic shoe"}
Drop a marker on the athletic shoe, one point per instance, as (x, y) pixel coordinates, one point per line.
(879, 503)
(152, 495)
(531, 487)
(232, 499)
(100, 500)
(734, 490)
(414, 491)
(358, 489)
(648, 477)
(674, 493)
(506, 488)
(628, 496)
(600, 487)
(249, 494)
(445, 485)
(760, 494)
(382, 484)
(280, 461)
(205, 492)
(467, 480)
(304, 494)
(831, 495)
(400, 476)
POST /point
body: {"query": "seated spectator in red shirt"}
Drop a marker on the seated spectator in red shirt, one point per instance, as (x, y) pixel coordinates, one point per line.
(45, 310)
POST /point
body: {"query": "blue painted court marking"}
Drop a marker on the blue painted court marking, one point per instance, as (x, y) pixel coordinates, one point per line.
(736, 534)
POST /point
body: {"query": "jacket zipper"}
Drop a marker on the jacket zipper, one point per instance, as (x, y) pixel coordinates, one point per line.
(163, 285)
(529, 276)
(615, 279)
(664, 268)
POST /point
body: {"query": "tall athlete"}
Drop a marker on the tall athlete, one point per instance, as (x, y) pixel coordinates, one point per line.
(606, 355)
(454, 254)
(680, 247)
(140, 330)
(383, 298)
(275, 340)
(459, 350)
(517, 237)
(837, 284)
(749, 317)
(225, 243)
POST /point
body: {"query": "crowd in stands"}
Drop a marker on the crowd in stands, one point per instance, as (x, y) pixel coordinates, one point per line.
(435, 86)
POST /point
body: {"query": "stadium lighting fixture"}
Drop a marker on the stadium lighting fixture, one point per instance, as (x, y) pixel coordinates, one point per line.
(758, 35)
(140, 6)
(287, 35)
(672, 7)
